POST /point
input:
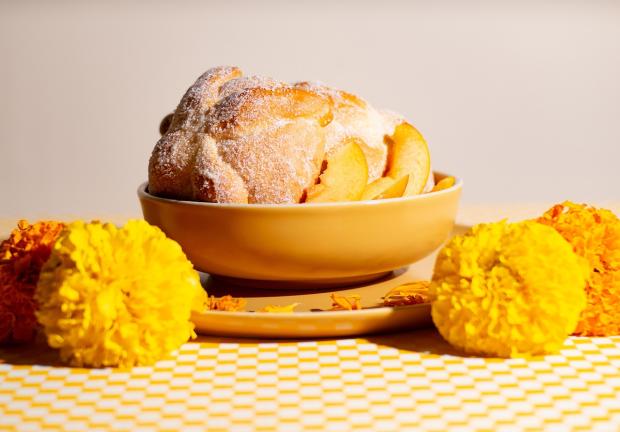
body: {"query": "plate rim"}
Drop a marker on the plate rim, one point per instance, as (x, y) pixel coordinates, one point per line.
(306, 314)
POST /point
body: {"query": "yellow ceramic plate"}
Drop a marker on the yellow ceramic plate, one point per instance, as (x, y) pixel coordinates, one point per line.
(303, 323)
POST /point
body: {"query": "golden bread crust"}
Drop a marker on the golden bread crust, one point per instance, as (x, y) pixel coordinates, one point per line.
(213, 179)
(241, 139)
(201, 96)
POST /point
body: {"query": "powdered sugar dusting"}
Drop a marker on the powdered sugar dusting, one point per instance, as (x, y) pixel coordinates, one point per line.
(391, 120)
(200, 97)
(276, 160)
(233, 97)
(322, 89)
(213, 179)
(244, 83)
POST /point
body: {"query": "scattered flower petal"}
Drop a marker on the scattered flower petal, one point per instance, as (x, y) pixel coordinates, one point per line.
(226, 303)
(340, 302)
(408, 294)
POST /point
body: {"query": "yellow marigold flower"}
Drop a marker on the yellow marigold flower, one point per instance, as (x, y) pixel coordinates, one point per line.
(113, 296)
(507, 290)
(595, 235)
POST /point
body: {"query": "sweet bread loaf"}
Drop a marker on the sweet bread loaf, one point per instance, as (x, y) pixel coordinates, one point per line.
(238, 139)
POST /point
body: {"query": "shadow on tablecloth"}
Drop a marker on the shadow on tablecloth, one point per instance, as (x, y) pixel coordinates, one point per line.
(427, 341)
(36, 353)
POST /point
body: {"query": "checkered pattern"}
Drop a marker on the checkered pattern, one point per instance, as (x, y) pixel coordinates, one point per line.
(387, 383)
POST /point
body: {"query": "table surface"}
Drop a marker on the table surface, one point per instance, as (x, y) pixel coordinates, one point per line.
(405, 381)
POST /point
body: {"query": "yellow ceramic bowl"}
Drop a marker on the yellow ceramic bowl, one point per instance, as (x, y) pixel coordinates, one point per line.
(306, 244)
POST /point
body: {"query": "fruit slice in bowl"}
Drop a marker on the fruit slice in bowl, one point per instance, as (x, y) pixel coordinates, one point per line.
(408, 155)
(344, 177)
(386, 187)
(346, 173)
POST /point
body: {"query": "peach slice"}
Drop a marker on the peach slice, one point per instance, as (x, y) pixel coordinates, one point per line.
(386, 187)
(344, 178)
(408, 155)
(444, 183)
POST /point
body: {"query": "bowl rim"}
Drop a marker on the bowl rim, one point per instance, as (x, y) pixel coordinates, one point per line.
(310, 314)
(458, 184)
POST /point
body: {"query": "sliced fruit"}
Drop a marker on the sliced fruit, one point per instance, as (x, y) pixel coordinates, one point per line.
(289, 308)
(376, 187)
(386, 187)
(444, 183)
(408, 155)
(345, 176)
(396, 190)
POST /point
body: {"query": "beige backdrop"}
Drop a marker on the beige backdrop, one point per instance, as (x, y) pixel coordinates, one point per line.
(521, 99)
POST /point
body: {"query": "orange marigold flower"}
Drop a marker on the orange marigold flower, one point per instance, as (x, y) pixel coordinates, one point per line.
(21, 257)
(595, 235)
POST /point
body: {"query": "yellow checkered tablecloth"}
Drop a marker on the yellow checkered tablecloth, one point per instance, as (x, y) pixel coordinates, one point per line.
(407, 381)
